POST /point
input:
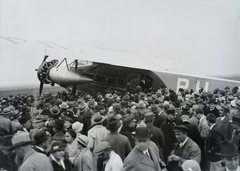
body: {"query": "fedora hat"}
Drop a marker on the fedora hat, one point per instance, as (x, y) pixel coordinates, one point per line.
(6, 142)
(113, 124)
(77, 127)
(82, 106)
(6, 111)
(54, 112)
(83, 140)
(237, 104)
(39, 118)
(142, 133)
(97, 119)
(212, 100)
(155, 109)
(149, 117)
(20, 138)
(40, 137)
(228, 149)
(57, 146)
(224, 107)
(64, 105)
(15, 114)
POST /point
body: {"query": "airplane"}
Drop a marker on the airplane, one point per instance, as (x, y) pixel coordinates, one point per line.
(98, 76)
(98, 69)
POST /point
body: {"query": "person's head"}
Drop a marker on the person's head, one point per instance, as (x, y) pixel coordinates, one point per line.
(229, 154)
(212, 103)
(223, 110)
(67, 123)
(149, 117)
(70, 135)
(211, 119)
(190, 165)
(38, 122)
(130, 121)
(42, 140)
(180, 132)
(103, 150)
(82, 141)
(198, 112)
(21, 143)
(58, 150)
(142, 138)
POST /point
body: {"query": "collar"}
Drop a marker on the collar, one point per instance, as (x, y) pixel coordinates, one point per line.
(146, 152)
(61, 163)
(183, 143)
(212, 126)
(222, 118)
(238, 169)
(202, 118)
(40, 148)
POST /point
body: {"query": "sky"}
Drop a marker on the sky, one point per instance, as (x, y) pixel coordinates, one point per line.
(203, 35)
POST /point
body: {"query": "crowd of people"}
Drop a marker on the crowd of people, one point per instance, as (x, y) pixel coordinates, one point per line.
(113, 131)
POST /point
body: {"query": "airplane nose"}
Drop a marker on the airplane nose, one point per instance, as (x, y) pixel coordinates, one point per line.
(63, 76)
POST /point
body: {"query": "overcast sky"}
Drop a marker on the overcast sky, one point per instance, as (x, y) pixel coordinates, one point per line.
(203, 34)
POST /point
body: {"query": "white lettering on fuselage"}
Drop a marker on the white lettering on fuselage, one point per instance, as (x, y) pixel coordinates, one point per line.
(184, 84)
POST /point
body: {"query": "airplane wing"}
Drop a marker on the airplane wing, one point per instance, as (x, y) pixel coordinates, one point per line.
(94, 54)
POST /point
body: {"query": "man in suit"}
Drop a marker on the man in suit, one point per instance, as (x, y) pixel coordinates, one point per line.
(143, 157)
(186, 149)
(202, 125)
(42, 141)
(230, 156)
(213, 143)
(223, 122)
(157, 134)
(57, 159)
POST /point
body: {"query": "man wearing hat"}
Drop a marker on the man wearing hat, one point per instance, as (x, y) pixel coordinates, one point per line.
(98, 132)
(32, 160)
(84, 160)
(160, 115)
(230, 156)
(57, 157)
(38, 124)
(41, 142)
(186, 149)
(129, 126)
(5, 122)
(6, 157)
(119, 143)
(212, 107)
(157, 134)
(223, 122)
(110, 161)
(16, 116)
(143, 157)
(213, 143)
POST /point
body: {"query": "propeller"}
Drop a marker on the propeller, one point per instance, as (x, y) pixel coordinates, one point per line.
(40, 74)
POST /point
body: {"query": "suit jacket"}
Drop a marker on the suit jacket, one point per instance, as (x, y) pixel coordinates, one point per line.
(158, 138)
(138, 161)
(191, 151)
(213, 144)
(84, 161)
(119, 144)
(226, 128)
(57, 167)
(203, 128)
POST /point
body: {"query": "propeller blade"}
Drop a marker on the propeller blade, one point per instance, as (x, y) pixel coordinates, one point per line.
(45, 57)
(41, 88)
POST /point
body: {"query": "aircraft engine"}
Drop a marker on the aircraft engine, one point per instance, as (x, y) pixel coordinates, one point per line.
(50, 73)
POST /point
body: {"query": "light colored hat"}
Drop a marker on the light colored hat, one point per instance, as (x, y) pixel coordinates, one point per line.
(19, 139)
(83, 139)
(64, 105)
(102, 146)
(190, 165)
(77, 126)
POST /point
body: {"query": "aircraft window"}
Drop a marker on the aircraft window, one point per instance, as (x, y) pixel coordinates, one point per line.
(122, 82)
(101, 79)
(112, 81)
